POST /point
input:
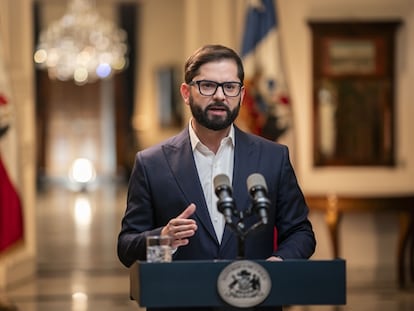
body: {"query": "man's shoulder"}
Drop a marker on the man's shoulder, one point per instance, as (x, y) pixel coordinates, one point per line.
(246, 137)
(172, 142)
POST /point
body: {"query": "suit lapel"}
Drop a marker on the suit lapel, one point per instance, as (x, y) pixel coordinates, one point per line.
(180, 158)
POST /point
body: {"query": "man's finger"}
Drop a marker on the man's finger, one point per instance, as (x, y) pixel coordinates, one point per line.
(188, 211)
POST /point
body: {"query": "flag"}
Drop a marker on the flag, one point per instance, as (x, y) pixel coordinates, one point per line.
(11, 217)
(266, 109)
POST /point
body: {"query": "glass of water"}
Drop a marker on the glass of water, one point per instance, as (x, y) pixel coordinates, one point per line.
(159, 248)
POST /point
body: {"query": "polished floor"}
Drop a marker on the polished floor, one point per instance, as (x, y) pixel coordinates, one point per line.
(78, 269)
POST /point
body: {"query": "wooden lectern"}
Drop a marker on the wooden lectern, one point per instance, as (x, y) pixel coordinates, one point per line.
(194, 283)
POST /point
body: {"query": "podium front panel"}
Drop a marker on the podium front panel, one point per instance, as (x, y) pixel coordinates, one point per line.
(194, 283)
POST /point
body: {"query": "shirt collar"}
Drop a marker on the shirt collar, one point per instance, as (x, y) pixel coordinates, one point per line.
(195, 140)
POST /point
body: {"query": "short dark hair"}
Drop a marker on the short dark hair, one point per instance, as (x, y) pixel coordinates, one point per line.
(210, 53)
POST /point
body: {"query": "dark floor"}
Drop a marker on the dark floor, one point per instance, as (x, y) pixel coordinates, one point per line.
(78, 269)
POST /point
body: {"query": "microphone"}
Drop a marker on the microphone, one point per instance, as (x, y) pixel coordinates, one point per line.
(223, 190)
(258, 190)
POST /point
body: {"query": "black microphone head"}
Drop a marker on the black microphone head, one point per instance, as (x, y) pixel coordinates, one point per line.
(256, 181)
(221, 180)
(225, 203)
(258, 189)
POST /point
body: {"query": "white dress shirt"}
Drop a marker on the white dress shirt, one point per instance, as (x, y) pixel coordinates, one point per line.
(209, 165)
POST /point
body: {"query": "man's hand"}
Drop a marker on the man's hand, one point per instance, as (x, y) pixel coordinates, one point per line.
(181, 227)
(274, 258)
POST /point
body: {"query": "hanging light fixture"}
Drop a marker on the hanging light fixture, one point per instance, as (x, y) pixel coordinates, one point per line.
(81, 46)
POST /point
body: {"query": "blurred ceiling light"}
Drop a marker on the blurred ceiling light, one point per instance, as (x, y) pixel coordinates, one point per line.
(81, 46)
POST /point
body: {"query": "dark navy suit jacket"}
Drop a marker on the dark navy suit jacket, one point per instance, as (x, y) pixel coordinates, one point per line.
(164, 181)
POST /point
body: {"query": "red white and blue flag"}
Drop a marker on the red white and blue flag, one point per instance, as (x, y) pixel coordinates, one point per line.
(266, 110)
(11, 216)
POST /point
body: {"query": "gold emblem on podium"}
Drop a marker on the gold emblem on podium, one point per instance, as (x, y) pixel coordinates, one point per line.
(244, 284)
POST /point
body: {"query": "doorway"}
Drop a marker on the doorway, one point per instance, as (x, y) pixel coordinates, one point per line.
(91, 121)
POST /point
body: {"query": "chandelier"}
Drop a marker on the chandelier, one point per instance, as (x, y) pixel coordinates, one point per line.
(81, 46)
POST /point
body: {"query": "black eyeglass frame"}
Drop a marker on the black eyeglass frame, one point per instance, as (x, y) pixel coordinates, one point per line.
(198, 82)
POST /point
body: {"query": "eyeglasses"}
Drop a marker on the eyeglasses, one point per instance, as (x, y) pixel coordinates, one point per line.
(209, 88)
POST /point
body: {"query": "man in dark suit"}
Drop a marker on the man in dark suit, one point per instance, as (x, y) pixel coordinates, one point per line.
(171, 188)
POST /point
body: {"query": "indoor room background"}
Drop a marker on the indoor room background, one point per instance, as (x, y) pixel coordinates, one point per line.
(110, 120)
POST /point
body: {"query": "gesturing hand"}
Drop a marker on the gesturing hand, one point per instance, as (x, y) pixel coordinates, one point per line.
(181, 227)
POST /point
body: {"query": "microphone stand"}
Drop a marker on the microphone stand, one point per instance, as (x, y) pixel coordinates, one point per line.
(240, 229)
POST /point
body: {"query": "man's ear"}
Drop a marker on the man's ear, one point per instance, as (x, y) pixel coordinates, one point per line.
(243, 92)
(185, 92)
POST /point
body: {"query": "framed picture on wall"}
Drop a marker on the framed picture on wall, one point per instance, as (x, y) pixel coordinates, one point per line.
(168, 97)
(353, 93)
(352, 56)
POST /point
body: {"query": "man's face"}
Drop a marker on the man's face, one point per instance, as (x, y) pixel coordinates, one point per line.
(216, 111)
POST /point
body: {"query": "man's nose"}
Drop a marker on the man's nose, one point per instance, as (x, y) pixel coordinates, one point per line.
(219, 92)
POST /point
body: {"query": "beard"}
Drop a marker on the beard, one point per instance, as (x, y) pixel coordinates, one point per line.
(214, 123)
